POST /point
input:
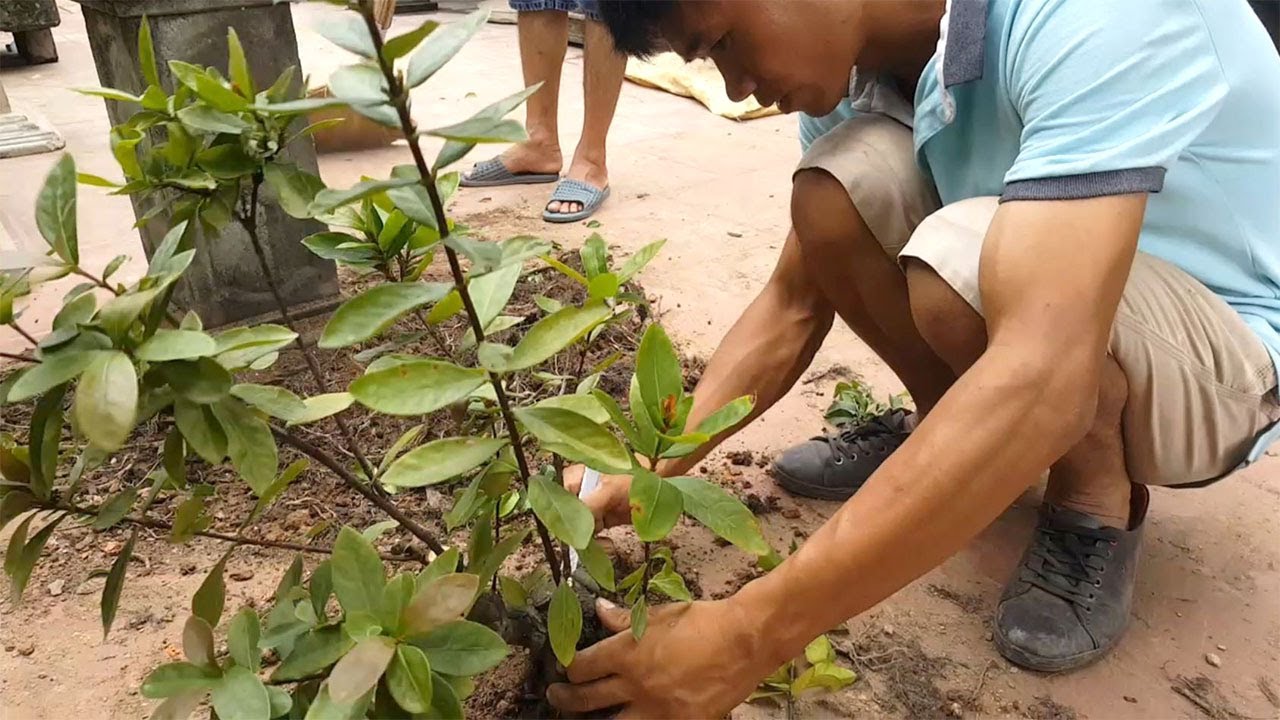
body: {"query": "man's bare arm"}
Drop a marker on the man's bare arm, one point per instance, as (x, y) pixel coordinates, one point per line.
(1052, 276)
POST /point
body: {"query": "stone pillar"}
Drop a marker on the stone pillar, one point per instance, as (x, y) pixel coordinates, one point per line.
(29, 21)
(224, 284)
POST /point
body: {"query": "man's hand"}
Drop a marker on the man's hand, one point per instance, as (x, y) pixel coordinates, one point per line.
(610, 502)
(696, 660)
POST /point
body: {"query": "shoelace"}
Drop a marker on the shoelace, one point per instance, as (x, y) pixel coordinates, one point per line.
(1071, 563)
(872, 437)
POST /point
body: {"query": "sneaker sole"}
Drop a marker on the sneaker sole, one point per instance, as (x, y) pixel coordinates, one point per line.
(1022, 658)
(804, 489)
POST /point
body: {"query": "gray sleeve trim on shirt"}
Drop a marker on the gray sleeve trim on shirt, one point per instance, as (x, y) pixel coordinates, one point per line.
(1088, 185)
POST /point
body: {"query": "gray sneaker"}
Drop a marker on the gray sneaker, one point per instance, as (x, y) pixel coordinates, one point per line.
(1068, 603)
(833, 467)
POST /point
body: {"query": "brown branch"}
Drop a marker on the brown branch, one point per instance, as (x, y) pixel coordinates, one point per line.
(249, 221)
(18, 357)
(148, 522)
(24, 333)
(359, 486)
(400, 99)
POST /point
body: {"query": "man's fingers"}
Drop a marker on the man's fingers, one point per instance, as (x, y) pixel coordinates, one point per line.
(596, 695)
(573, 478)
(600, 660)
(615, 618)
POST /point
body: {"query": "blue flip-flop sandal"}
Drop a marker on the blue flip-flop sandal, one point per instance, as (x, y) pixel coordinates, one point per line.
(570, 190)
(493, 173)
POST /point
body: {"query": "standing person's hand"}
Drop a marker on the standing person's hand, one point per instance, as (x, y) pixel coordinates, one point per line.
(609, 502)
(696, 660)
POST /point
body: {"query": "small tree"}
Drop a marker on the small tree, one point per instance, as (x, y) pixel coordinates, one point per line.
(209, 152)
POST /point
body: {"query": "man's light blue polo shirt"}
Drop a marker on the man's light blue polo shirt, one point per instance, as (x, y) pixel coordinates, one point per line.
(1064, 99)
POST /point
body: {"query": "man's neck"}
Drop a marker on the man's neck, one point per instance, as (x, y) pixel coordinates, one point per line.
(901, 36)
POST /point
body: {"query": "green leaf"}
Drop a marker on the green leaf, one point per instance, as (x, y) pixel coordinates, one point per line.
(46, 434)
(197, 642)
(445, 704)
(825, 675)
(209, 120)
(619, 418)
(440, 460)
(108, 94)
(820, 651)
(55, 369)
(147, 54)
(294, 189)
(226, 162)
(441, 46)
(202, 380)
(13, 504)
(341, 247)
(201, 430)
(463, 648)
(240, 695)
(106, 403)
(115, 584)
(238, 66)
(636, 262)
(280, 701)
(639, 618)
(494, 558)
(513, 593)
(491, 292)
(174, 457)
(374, 310)
(567, 517)
(488, 125)
(329, 199)
(250, 444)
(722, 513)
(314, 651)
(444, 600)
(552, 334)
(277, 487)
(359, 670)
(176, 678)
(348, 31)
(446, 563)
(207, 87)
(405, 440)
(176, 345)
(239, 347)
(119, 313)
(358, 575)
(115, 508)
(189, 519)
(270, 399)
(320, 407)
(242, 639)
(56, 210)
(655, 505)
(729, 415)
(595, 256)
(211, 596)
(450, 153)
(585, 405)
(575, 437)
(564, 623)
(409, 679)
(603, 286)
(416, 388)
(321, 583)
(598, 564)
(658, 371)
(401, 45)
(669, 583)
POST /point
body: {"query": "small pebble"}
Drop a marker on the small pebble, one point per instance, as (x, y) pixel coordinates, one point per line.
(55, 587)
(242, 575)
(1213, 659)
(990, 637)
(791, 513)
(1130, 699)
(26, 650)
(1014, 670)
(1223, 648)
(8, 648)
(954, 710)
(733, 234)
(187, 568)
(888, 630)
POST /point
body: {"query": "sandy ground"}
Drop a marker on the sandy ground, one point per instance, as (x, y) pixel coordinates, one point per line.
(717, 190)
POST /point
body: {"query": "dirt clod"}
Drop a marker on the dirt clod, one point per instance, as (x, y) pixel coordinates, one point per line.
(758, 505)
(901, 666)
(971, 604)
(1213, 659)
(242, 575)
(791, 513)
(187, 568)
(743, 458)
(1130, 699)
(26, 650)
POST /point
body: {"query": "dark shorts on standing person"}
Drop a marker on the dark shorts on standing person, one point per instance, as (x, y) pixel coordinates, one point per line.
(589, 8)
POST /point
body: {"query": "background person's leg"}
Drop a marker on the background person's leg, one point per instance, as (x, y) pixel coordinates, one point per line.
(544, 37)
(602, 75)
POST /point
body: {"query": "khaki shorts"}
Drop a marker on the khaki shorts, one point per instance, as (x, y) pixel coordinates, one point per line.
(1201, 384)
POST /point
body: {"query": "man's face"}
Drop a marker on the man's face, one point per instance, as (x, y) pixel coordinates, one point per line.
(796, 53)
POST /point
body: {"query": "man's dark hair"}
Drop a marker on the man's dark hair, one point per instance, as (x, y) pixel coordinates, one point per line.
(634, 24)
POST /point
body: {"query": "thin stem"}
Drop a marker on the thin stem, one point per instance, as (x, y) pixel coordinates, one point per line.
(143, 521)
(24, 333)
(400, 99)
(359, 486)
(20, 358)
(249, 221)
(436, 337)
